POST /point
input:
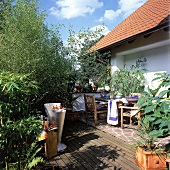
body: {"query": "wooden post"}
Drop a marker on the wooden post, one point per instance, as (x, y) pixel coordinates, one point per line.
(121, 117)
(51, 144)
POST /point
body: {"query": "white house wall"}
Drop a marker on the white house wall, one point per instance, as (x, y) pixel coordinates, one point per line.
(155, 48)
(158, 59)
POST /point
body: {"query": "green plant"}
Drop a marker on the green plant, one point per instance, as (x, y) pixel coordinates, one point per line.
(18, 93)
(88, 64)
(128, 80)
(21, 151)
(28, 46)
(145, 140)
(155, 104)
(18, 128)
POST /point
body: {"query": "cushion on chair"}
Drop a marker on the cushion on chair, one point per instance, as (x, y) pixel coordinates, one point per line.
(101, 108)
(133, 112)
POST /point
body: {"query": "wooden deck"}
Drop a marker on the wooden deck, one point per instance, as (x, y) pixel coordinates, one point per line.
(89, 148)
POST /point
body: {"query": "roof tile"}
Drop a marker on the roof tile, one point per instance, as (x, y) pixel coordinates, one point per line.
(148, 16)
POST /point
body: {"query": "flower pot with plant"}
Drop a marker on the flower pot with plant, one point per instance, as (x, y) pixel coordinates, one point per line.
(149, 152)
(78, 87)
(155, 123)
(95, 86)
(168, 160)
(127, 80)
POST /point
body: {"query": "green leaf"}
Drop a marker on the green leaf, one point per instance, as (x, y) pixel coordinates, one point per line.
(156, 133)
(158, 121)
(149, 109)
(152, 118)
(163, 93)
(164, 123)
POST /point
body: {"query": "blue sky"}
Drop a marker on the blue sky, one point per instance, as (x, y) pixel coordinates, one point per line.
(88, 13)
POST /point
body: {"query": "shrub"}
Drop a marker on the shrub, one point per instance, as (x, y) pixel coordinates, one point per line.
(128, 80)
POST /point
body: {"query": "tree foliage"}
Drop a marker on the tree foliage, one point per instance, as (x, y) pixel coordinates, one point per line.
(89, 64)
(5, 5)
(29, 46)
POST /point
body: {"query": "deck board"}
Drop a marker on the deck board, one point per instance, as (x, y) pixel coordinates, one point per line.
(89, 148)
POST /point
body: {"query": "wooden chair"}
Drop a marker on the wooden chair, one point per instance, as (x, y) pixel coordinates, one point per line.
(131, 111)
(127, 111)
(95, 109)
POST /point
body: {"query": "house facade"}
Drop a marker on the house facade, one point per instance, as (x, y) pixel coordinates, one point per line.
(151, 53)
(142, 39)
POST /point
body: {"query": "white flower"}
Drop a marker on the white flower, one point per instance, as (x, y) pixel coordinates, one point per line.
(107, 88)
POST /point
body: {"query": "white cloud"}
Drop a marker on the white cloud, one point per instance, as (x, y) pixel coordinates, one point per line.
(104, 28)
(125, 9)
(74, 8)
(128, 7)
(110, 15)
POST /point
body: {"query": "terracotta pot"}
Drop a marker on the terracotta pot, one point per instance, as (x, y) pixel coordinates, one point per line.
(168, 162)
(95, 88)
(149, 160)
(78, 89)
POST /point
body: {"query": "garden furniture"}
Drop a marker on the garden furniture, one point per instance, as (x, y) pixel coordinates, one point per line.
(96, 109)
(78, 102)
(129, 111)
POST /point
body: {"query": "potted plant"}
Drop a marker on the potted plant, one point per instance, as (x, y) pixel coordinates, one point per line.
(128, 80)
(78, 87)
(95, 86)
(168, 160)
(155, 123)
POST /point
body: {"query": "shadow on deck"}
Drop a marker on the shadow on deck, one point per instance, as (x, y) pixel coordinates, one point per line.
(90, 148)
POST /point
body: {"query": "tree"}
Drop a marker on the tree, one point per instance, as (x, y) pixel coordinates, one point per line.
(87, 64)
(29, 46)
(5, 5)
(22, 37)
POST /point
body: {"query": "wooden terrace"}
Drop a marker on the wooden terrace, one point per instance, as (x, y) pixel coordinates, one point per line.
(90, 148)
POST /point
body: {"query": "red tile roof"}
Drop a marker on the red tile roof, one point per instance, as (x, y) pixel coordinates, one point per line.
(148, 16)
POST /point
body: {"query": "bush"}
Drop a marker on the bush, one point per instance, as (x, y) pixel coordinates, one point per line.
(128, 80)
(18, 128)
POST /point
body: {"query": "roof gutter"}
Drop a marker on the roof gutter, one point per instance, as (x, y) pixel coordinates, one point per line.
(157, 28)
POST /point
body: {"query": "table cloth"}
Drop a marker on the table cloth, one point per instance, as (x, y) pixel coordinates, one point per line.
(56, 117)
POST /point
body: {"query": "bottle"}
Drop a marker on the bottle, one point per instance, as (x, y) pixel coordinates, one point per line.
(45, 132)
(43, 135)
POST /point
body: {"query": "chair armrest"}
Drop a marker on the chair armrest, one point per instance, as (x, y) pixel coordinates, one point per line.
(128, 107)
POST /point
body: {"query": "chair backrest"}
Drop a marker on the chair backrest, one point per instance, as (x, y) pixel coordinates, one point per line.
(92, 106)
(96, 108)
(89, 102)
